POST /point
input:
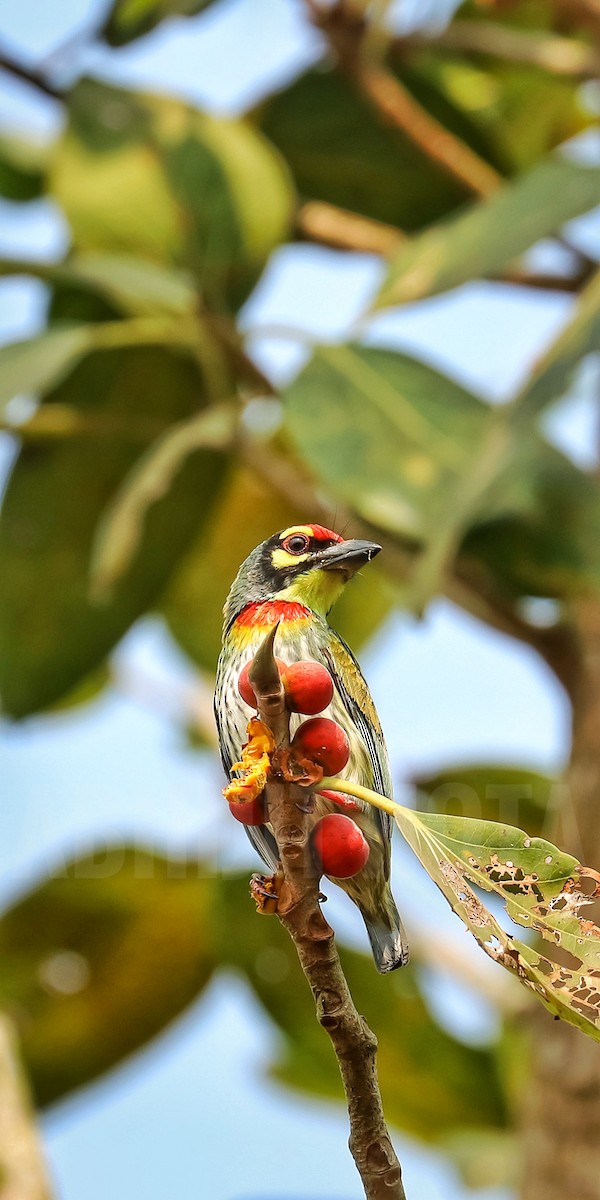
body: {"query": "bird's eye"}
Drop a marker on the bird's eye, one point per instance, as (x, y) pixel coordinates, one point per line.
(297, 543)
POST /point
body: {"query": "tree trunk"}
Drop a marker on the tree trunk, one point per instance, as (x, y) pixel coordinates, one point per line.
(561, 1111)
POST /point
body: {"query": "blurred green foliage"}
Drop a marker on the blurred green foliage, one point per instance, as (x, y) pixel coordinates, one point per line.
(174, 215)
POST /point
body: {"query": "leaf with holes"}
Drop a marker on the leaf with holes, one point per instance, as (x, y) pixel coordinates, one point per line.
(542, 889)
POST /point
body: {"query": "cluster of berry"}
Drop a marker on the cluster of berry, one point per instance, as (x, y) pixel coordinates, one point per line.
(338, 845)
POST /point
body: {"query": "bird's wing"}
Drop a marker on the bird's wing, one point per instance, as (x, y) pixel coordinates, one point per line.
(358, 702)
(261, 837)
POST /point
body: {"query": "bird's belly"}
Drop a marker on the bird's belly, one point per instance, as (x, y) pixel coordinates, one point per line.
(291, 647)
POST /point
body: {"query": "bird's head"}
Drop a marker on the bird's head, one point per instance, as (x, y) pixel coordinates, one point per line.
(305, 563)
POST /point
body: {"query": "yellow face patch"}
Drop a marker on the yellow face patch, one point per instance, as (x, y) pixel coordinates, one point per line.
(317, 589)
(282, 558)
(307, 530)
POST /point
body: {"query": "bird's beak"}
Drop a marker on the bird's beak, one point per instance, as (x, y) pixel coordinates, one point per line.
(348, 557)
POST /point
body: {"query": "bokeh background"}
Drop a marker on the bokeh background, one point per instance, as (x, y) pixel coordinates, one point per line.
(162, 1023)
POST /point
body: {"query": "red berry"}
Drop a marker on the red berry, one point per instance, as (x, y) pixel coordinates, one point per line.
(323, 742)
(339, 846)
(249, 812)
(308, 687)
(245, 687)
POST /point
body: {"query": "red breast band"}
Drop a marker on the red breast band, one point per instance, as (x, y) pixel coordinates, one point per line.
(266, 612)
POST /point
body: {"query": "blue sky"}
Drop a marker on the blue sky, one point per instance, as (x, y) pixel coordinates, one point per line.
(196, 1105)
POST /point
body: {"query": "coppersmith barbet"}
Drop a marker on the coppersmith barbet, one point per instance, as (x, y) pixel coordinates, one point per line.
(295, 577)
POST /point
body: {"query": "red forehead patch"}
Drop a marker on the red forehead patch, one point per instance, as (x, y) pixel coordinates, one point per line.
(325, 535)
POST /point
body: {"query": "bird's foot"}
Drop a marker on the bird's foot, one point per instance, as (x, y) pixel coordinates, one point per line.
(264, 890)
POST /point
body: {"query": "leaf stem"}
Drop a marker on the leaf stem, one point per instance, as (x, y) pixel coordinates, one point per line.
(347, 786)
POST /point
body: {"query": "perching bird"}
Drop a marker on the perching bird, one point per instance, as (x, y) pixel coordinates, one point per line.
(295, 577)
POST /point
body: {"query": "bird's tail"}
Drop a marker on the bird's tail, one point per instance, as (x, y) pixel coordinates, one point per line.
(388, 938)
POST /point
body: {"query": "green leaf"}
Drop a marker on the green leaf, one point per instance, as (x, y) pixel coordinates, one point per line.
(22, 168)
(146, 176)
(130, 19)
(542, 888)
(44, 361)
(384, 432)
(41, 361)
(491, 792)
(563, 539)
(484, 239)
(339, 152)
(121, 527)
(423, 459)
(98, 959)
(55, 496)
(523, 110)
(134, 285)
(554, 371)
(108, 180)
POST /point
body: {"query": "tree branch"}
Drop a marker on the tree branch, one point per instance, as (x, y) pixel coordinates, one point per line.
(29, 75)
(345, 230)
(546, 50)
(298, 909)
(342, 229)
(345, 30)
(23, 1174)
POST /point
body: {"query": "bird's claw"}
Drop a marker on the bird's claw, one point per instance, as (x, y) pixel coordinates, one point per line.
(264, 890)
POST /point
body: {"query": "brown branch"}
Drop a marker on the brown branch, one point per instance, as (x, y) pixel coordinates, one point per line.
(575, 13)
(399, 109)
(546, 281)
(28, 75)
(299, 911)
(393, 103)
(548, 51)
(23, 1174)
(342, 229)
(345, 230)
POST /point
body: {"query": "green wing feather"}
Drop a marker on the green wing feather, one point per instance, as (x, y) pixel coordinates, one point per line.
(356, 697)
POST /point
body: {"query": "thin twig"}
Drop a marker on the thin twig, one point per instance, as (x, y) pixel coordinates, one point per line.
(29, 75)
(298, 909)
(392, 102)
(399, 109)
(329, 225)
(546, 50)
(23, 1174)
(338, 227)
